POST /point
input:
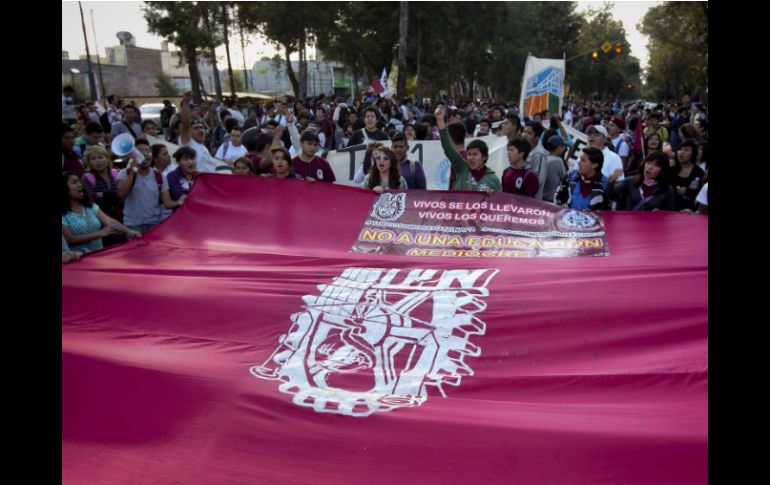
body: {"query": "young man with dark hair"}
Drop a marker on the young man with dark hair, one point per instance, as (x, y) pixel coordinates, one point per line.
(70, 160)
(485, 128)
(557, 168)
(145, 191)
(537, 160)
(192, 133)
(93, 135)
(411, 171)
(128, 125)
(181, 180)
(369, 132)
(653, 125)
(474, 174)
(308, 164)
(517, 179)
(586, 187)
(232, 149)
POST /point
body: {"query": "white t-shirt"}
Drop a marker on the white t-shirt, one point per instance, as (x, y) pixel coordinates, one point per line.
(232, 152)
(621, 146)
(568, 118)
(612, 162)
(237, 115)
(703, 195)
(204, 160)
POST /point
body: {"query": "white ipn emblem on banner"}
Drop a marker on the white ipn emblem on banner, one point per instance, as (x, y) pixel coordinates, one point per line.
(389, 207)
(376, 339)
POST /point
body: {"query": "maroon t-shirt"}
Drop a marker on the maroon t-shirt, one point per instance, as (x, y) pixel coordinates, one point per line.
(72, 163)
(318, 168)
(520, 181)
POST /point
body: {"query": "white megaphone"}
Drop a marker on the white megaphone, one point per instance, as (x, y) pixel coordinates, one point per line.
(123, 145)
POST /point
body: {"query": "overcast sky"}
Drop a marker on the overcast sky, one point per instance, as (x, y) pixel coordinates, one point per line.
(113, 17)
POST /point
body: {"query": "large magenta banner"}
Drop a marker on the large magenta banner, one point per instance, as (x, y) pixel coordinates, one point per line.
(467, 224)
(241, 341)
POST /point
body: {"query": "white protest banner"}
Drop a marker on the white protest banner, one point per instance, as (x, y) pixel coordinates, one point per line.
(579, 141)
(542, 87)
(435, 163)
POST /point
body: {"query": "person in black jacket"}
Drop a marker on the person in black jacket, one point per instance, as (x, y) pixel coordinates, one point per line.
(649, 190)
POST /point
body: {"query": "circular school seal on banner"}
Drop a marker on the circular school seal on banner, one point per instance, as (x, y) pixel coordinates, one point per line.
(389, 207)
(575, 220)
(378, 339)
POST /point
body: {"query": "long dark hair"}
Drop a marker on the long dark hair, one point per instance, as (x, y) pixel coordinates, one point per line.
(65, 193)
(661, 160)
(394, 174)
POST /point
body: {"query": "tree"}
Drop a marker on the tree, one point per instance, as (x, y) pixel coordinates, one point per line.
(678, 47)
(165, 85)
(362, 35)
(403, 26)
(291, 26)
(209, 15)
(611, 75)
(225, 21)
(179, 23)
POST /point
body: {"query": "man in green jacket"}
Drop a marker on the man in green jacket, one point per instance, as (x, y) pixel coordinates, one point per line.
(473, 175)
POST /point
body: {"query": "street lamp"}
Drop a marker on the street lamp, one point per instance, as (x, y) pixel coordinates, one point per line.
(73, 71)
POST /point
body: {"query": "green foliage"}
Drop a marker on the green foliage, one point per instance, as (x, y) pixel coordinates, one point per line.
(180, 23)
(678, 33)
(240, 83)
(165, 85)
(611, 75)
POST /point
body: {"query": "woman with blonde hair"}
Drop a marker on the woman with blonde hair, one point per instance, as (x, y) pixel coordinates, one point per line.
(100, 181)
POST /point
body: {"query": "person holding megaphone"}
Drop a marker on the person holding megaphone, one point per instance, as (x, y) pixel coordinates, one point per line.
(145, 190)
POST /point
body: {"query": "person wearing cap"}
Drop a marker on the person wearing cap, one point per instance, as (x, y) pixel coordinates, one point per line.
(612, 167)
(586, 187)
(192, 133)
(616, 128)
(556, 168)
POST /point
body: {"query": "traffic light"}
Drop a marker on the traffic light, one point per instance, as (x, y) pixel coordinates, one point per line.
(594, 56)
(618, 48)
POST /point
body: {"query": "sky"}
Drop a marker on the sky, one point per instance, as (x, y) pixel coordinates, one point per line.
(111, 17)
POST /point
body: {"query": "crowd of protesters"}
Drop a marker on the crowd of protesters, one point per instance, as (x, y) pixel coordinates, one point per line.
(640, 156)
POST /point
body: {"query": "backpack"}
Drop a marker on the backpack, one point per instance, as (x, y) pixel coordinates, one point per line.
(91, 179)
(158, 180)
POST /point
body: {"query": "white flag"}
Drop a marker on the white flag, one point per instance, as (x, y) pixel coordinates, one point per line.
(542, 87)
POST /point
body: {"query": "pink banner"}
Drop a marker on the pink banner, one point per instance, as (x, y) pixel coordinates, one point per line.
(242, 342)
(467, 224)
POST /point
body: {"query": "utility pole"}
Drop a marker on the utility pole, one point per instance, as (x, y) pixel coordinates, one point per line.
(98, 60)
(91, 82)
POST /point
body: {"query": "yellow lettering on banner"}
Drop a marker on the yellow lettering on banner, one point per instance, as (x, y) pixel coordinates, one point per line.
(596, 243)
(455, 241)
(376, 235)
(404, 238)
